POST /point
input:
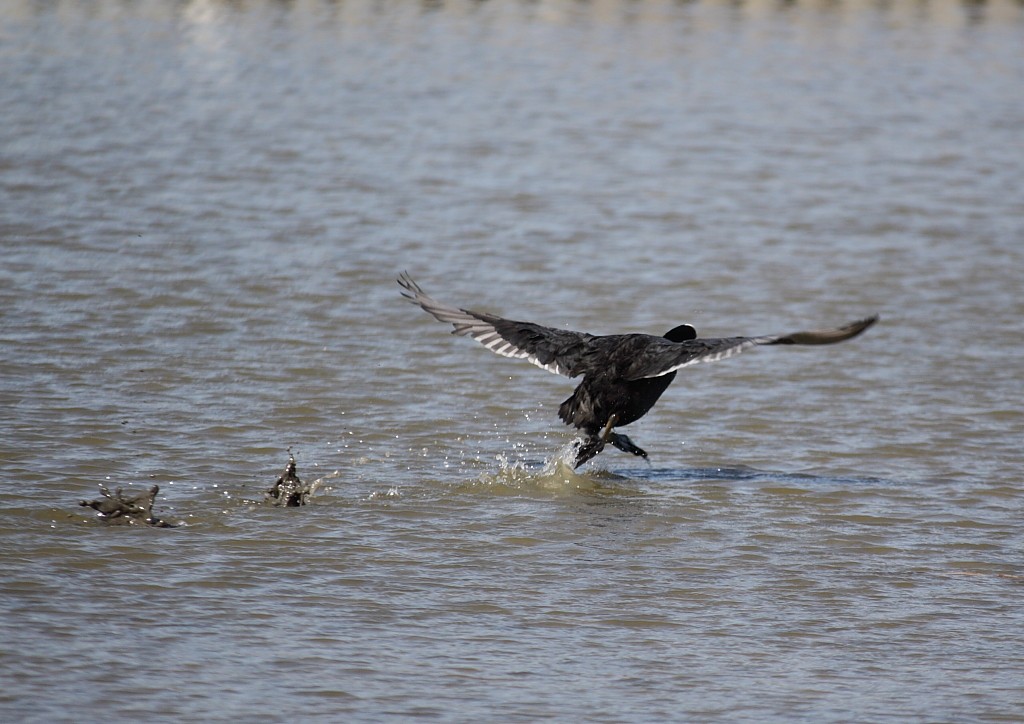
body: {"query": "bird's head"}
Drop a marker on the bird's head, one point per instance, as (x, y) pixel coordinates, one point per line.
(682, 333)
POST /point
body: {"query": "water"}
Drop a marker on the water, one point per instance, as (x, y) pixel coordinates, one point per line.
(205, 206)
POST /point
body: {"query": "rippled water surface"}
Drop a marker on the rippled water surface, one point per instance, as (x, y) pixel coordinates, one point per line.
(203, 209)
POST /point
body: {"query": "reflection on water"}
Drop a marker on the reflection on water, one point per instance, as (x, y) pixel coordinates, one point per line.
(204, 209)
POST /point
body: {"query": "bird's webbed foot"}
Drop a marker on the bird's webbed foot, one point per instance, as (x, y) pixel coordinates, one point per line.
(588, 450)
(623, 443)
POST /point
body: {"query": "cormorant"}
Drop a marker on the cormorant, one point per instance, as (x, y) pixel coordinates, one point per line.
(623, 374)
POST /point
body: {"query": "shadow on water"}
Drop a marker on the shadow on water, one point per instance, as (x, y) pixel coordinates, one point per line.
(743, 474)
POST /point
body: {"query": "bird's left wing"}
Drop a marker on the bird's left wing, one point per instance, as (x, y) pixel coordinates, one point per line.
(663, 356)
(561, 351)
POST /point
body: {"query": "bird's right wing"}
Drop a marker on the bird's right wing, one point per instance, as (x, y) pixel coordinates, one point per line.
(662, 356)
(561, 351)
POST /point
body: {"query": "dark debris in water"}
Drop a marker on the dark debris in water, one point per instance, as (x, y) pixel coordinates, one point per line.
(135, 507)
(289, 491)
(118, 507)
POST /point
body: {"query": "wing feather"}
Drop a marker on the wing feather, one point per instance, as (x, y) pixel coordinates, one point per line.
(663, 356)
(560, 351)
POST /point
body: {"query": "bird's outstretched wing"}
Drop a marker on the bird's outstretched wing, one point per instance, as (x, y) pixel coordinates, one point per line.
(662, 356)
(561, 351)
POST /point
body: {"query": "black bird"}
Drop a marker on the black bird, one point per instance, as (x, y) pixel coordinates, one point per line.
(623, 374)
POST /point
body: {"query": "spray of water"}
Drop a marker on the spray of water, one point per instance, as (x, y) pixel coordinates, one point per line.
(554, 476)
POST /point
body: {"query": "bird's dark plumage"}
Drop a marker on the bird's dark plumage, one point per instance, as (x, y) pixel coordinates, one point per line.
(623, 374)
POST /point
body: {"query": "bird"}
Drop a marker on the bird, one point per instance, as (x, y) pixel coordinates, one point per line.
(624, 375)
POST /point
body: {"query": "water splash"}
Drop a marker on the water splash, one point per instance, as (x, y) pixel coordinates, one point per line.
(552, 477)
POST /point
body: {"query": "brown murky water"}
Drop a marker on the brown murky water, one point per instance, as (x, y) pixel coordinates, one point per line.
(204, 206)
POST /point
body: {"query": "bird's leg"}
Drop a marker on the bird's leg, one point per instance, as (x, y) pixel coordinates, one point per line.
(595, 443)
(607, 432)
(623, 443)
